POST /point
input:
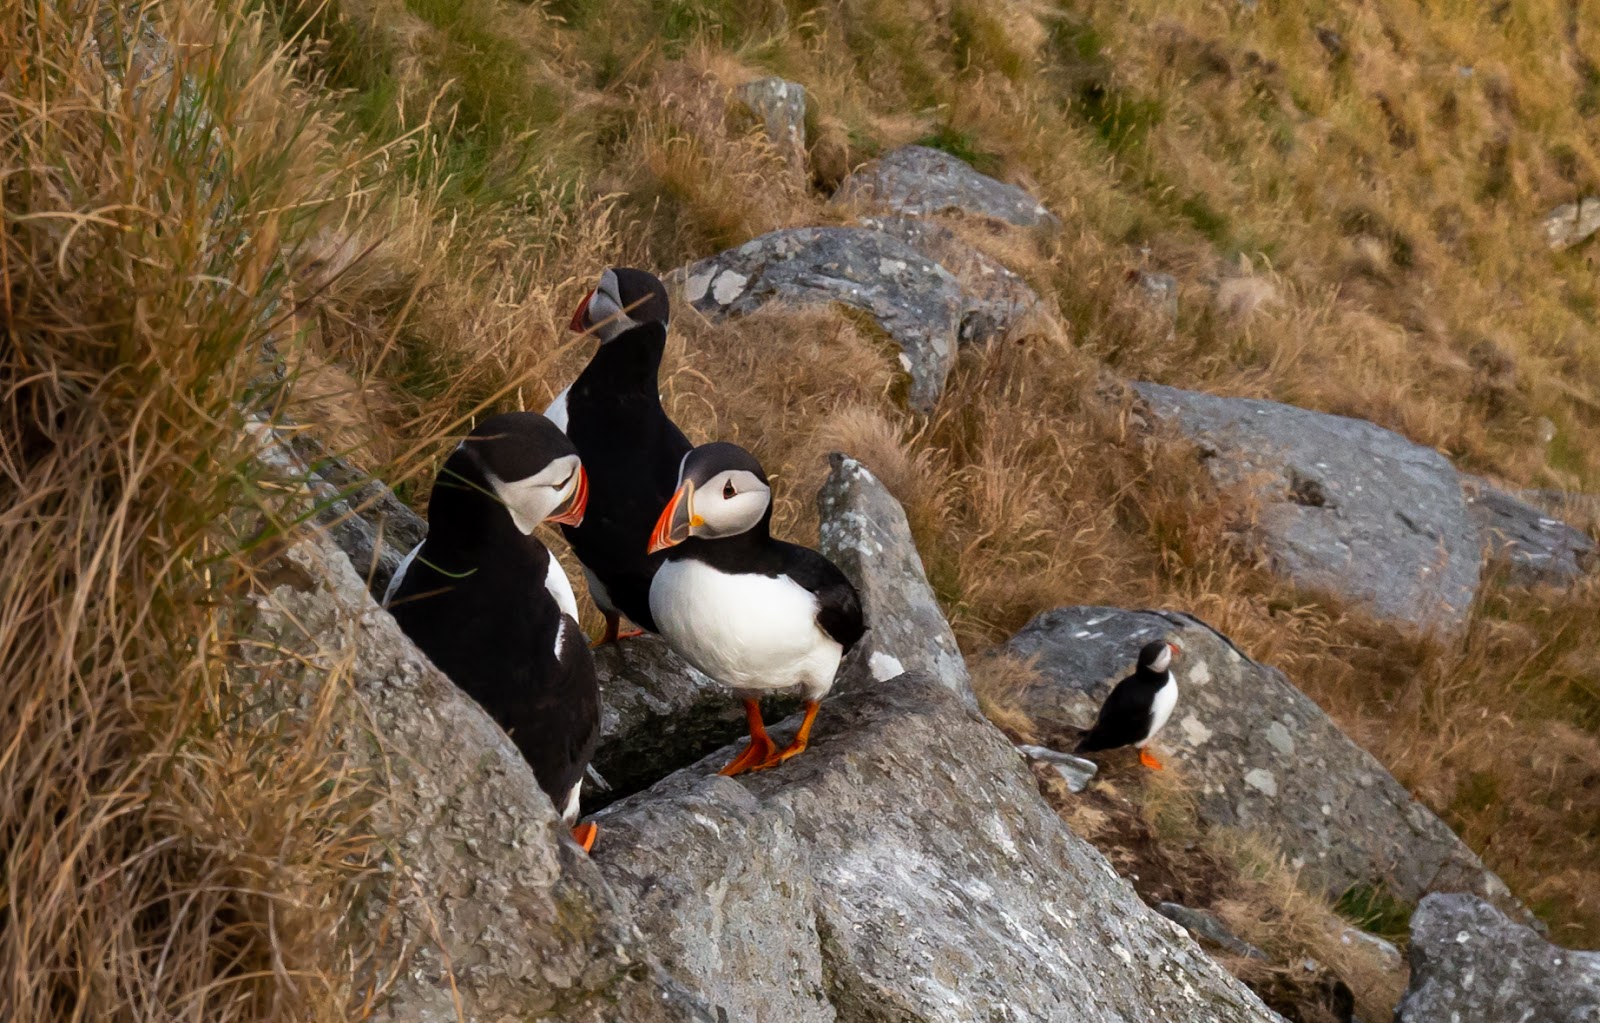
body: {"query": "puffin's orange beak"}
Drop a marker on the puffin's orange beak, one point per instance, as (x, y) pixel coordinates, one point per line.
(677, 520)
(570, 513)
(580, 321)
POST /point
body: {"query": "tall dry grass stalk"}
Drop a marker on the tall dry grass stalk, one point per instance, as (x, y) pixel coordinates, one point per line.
(171, 848)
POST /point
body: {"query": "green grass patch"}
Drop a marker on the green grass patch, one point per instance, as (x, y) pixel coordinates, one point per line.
(963, 146)
(1376, 910)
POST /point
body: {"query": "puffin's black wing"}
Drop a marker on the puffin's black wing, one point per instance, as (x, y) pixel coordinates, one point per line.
(838, 604)
(1124, 718)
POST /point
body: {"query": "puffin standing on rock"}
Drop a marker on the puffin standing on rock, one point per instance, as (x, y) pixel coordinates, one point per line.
(1138, 707)
(754, 613)
(491, 607)
(629, 446)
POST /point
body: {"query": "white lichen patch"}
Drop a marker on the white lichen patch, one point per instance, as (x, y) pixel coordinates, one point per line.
(884, 666)
(1262, 781)
(1195, 733)
(728, 286)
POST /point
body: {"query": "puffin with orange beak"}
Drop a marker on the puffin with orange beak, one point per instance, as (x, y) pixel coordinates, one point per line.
(629, 445)
(492, 608)
(1138, 707)
(752, 612)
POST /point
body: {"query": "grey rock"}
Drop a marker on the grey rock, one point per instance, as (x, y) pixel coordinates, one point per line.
(780, 106)
(1567, 225)
(994, 301)
(1207, 928)
(1388, 956)
(864, 531)
(903, 869)
(1160, 290)
(916, 301)
(1075, 771)
(481, 898)
(920, 182)
(659, 713)
(1470, 964)
(1263, 757)
(1530, 546)
(1346, 506)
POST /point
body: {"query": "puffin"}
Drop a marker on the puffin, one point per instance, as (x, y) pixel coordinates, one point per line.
(493, 609)
(1138, 707)
(752, 612)
(629, 445)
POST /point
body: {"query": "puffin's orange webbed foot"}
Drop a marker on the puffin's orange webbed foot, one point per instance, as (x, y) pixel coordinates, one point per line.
(802, 738)
(615, 632)
(585, 834)
(1148, 759)
(761, 753)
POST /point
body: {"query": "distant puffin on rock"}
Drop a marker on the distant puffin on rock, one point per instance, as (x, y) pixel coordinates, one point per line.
(1138, 707)
(491, 607)
(629, 446)
(754, 613)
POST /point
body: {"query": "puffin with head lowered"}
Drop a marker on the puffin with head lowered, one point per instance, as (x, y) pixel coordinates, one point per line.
(491, 607)
(755, 613)
(630, 447)
(1138, 707)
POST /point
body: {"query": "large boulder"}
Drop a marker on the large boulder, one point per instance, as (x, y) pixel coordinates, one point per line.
(916, 301)
(1346, 507)
(918, 181)
(1263, 757)
(994, 301)
(904, 868)
(780, 108)
(486, 910)
(1530, 546)
(1470, 964)
(864, 531)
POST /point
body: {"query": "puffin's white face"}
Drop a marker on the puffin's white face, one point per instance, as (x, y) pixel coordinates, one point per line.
(730, 503)
(557, 493)
(604, 313)
(1163, 660)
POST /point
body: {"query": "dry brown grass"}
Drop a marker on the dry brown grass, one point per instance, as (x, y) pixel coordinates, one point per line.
(169, 850)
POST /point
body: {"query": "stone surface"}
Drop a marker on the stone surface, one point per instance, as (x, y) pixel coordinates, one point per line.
(1566, 226)
(658, 713)
(919, 182)
(1346, 507)
(994, 301)
(916, 301)
(1075, 771)
(1261, 755)
(1160, 291)
(1207, 928)
(904, 869)
(780, 107)
(1469, 964)
(482, 901)
(1530, 546)
(864, 531)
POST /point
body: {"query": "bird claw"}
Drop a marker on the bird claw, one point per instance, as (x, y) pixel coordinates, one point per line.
(585, 834)
(1148, 759)
(762, 753)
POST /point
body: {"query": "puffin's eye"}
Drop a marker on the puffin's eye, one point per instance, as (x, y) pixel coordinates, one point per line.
(728, 491)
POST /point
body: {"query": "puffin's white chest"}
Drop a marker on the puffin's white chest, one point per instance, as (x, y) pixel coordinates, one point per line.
(745, 631)
(557, 412)
(1166, 699)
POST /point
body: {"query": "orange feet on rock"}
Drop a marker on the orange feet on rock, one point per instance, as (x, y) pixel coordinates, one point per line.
(803, 736)
(762, 751)
(1148, 759)
(615, 632)
(585, 834)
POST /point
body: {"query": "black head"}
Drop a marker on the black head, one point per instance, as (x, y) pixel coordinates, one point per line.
(722, 491)
(1158, 656)
(526, 464)
(623, 299)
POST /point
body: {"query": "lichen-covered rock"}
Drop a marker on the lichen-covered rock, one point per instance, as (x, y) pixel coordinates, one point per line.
(1530, 546)
(918, 182)
(917, 302)
(904, 869)
(864, 531)
(658, 713)
(995, 301)
(1207, 928)
(1262, 756)
(1574, 222)
(1470, 964)
(1346, 506)
(780, 106)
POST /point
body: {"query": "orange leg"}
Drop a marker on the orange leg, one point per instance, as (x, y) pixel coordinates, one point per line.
(615, 631)
(1148, 759)
(803, 736)
(761, 752)
(585, 834)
